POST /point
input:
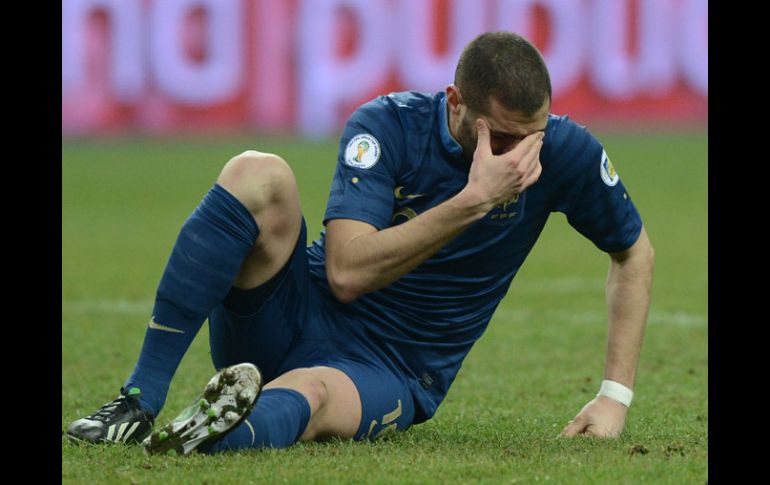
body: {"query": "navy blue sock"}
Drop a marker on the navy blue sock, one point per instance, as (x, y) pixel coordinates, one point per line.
(277, 421)
(206, 257)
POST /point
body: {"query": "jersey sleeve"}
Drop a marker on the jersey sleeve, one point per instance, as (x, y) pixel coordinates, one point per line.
(367, 166)
(597, 203)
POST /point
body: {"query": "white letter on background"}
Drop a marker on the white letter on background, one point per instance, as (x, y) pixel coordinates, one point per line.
(421, 68)
(198, 83)
(694, 47)
(127, 73)
(656, 68)
(615, 72)
(565, 54)
(609, 64)
(325, 80)
(271, 86)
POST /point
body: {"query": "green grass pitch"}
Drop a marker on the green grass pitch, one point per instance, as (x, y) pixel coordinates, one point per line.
(540, 361)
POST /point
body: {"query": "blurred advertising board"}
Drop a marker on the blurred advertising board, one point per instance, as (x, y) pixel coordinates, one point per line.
(301, 66)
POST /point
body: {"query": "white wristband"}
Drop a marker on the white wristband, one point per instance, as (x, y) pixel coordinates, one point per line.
(616, 391)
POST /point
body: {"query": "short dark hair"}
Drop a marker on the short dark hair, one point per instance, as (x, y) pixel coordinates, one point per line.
(504, 66)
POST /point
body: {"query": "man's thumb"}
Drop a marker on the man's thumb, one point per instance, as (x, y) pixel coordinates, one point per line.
(482, 131)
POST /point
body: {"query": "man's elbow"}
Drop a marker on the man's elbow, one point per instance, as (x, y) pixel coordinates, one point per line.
(643, 261)
(640, 255)
(345, 285)
(647, 252)
(651, 257)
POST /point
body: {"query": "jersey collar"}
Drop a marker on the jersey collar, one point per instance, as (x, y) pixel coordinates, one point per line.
(448, 142)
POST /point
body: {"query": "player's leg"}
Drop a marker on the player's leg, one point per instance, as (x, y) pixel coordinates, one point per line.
(308, 404)
(387, 405)
(243, 332)
(241, 234)
(317, 403)
(260, 325)
(333, 400)
(265, 184)
(333, 403)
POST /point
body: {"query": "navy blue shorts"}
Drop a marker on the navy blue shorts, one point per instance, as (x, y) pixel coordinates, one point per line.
(290, 322)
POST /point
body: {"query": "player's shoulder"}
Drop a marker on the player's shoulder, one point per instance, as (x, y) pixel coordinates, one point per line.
(400, 105)
(563, 131)
(396, 119)
(567, 141)
(414, 101)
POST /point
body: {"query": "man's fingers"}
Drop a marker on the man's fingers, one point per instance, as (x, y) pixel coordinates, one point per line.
(531, 143)
(531, 159)
(531, 165)
(483, 146)
(595, 431)
(573, 428)
(534, 174)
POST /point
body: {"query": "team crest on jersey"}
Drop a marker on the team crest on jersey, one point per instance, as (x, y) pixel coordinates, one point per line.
(509, 212)
(607, 171)
(363, 151)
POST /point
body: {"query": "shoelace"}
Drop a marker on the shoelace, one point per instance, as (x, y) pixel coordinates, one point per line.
(108, 410)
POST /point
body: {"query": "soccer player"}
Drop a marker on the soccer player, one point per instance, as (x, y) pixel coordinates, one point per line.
(435, 203)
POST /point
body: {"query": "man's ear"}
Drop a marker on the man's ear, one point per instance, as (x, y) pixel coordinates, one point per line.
(453, 97)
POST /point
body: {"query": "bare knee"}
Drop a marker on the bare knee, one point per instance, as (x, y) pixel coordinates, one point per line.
(265, 185)
(260, 181)
(335, 406)
(307, 383)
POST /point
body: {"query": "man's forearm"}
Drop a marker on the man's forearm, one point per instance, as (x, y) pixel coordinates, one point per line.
(378, 258)
(628, 300)
(360, 259)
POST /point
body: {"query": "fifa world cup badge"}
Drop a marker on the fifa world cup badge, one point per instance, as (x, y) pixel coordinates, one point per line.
(363, 151)
(607, 171)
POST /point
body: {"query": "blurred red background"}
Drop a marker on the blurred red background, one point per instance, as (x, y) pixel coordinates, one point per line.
(301, 66)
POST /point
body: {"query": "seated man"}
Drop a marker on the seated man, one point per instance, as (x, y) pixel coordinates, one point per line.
(436, 201)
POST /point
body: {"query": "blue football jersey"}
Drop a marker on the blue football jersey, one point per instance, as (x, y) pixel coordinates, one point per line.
(398, 159)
